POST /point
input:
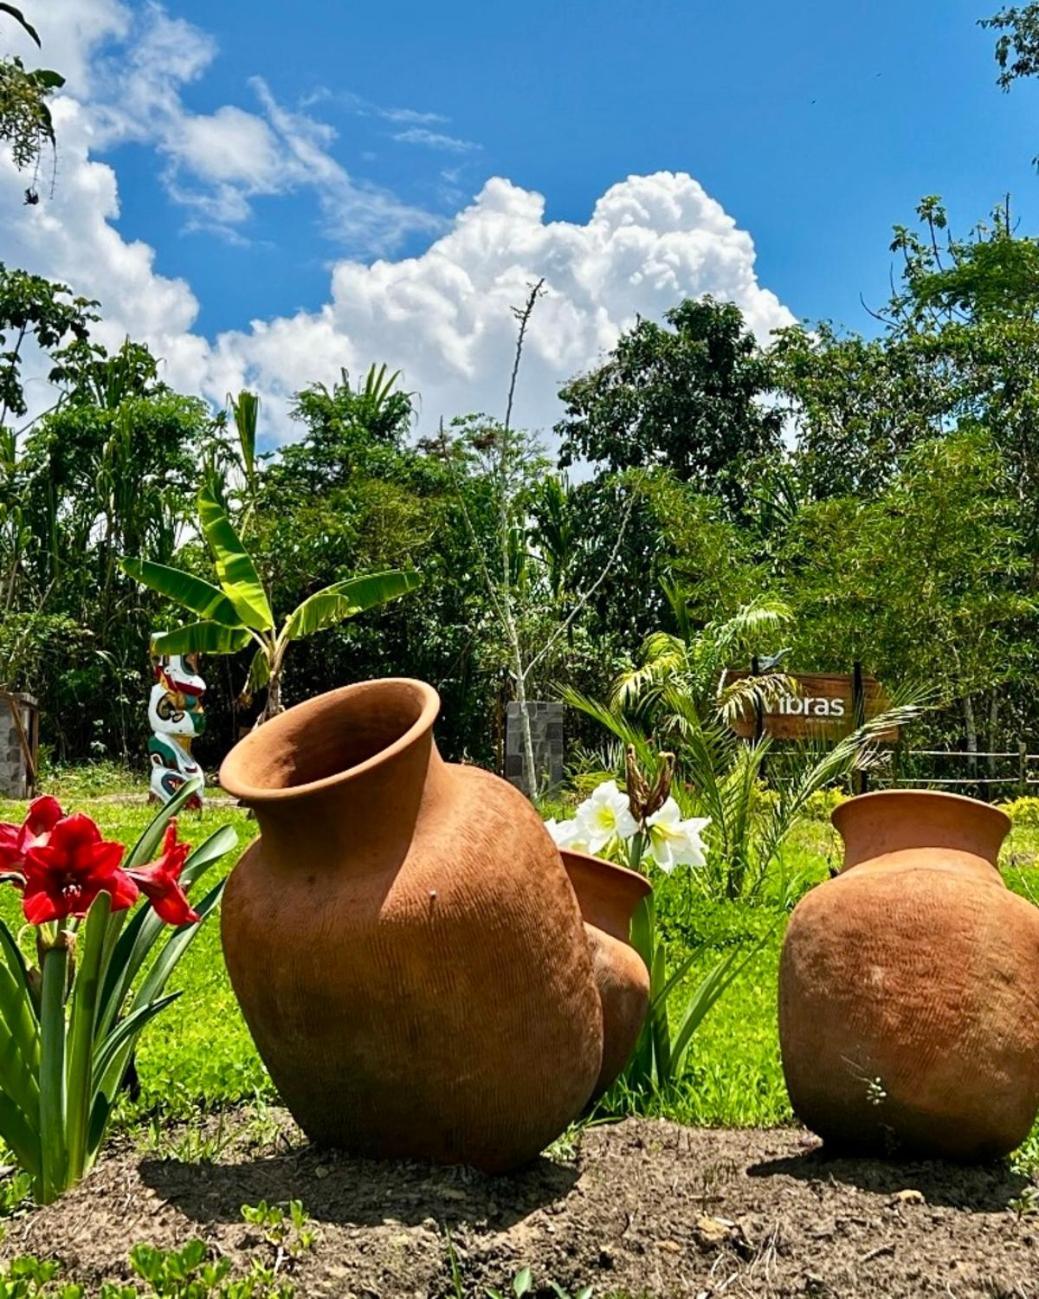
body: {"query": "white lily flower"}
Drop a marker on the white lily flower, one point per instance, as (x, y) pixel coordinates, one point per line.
(605, 816)
(567, 834)
(674, 841)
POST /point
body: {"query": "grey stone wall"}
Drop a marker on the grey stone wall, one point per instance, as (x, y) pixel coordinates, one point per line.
(546, 724)
(15, 778)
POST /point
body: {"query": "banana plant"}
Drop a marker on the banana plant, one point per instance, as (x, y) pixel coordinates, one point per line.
(68, 1029)
(237, 611)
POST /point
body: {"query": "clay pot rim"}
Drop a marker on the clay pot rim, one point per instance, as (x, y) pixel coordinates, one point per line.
(331, 699)
(841, 812)
(645, 886)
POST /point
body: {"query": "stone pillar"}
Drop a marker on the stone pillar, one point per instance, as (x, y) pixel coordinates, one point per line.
(546, 724)
(18, 745)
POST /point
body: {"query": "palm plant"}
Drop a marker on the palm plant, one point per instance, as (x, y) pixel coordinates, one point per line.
(721, 776)
(237, 612)
(694, 662)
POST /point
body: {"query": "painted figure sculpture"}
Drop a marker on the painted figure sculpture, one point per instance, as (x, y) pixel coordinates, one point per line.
(176, 717)
(909, 985)
(404, 942)
(608, 895)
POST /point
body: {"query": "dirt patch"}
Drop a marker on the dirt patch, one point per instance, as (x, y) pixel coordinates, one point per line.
(641, 1207)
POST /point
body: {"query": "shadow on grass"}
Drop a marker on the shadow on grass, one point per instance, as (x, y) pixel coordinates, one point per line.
(982, 1188)
(336, 1188)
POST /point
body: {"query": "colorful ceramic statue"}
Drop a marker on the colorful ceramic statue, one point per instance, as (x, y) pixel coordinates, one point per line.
(176, 716)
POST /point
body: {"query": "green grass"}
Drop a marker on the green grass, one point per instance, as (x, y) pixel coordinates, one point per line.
(200, 1052)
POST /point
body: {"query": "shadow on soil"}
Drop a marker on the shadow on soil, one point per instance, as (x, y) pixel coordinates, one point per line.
(985, 1188)
(335, 1188)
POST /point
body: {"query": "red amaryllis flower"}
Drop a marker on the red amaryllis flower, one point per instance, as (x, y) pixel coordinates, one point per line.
(159, 881)
(16, 840)
(65, 874)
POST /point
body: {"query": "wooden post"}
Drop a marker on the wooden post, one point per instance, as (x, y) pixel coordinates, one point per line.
(1022, 768)
(859, 778)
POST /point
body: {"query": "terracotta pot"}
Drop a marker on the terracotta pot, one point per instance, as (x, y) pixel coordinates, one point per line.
(405, 944)
(608, 896)
(909, 985)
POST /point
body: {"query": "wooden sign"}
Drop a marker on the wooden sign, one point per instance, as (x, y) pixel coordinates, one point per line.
(823, 708)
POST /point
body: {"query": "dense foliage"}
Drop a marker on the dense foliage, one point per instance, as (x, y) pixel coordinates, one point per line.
(883, 490)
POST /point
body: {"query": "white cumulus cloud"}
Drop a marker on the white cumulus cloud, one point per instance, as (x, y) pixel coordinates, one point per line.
(443, 317)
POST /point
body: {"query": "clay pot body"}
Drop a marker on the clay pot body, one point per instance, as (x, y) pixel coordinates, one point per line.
(909, 985)
(608, 896)
(405, 944)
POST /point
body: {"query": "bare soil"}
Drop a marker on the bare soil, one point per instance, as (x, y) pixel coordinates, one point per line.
(638, 1208)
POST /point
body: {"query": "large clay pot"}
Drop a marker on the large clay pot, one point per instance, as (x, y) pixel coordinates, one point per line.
(405, 944)
(608, 896)
(909, 985)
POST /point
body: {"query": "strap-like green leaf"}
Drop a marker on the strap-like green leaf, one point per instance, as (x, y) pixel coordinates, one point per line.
(234, 567)
(345, 599)
(17, 1132)
(259, 672)
(137, 939)
(195, 594)
(201, 638)
(147, 845)
(113, 1054)
(178, 943)
(82, 1019)
(21, 19)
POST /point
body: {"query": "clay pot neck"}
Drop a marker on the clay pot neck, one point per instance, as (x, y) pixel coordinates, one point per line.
(924, 828)
(342, 777)
(608, 895)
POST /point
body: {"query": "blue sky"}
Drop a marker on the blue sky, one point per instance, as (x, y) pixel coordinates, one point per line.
(816, 125)
(228, 175)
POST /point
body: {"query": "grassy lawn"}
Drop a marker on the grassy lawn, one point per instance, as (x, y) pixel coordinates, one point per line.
(200, 1053)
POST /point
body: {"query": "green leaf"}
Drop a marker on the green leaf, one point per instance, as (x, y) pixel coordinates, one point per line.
(147, 846)
(110, 1060)
(345, 599)
(82, 1018)
(259, 672)
(717, 981)
(20, 18)
(245, 410)
(179, 941)
(20, 1135)
(234, 567)
(140, 934)
(195, 594)
(53, 1150)
(47, 78)
(201, 638)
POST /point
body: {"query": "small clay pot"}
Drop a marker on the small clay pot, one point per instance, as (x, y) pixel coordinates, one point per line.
(909, 985)
(406, 947)
(608, 896)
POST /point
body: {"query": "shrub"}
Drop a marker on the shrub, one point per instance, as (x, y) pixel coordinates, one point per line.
(1023, 812)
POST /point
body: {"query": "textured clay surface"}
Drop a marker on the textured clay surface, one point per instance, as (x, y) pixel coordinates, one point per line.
(406, 946)
(909, 986)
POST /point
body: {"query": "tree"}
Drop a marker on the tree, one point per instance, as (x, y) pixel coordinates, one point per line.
(1017, 48)
(40, 310)
(922, 583)
(959, 351)
(687, 397)
(238, 611)
(26, 125)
